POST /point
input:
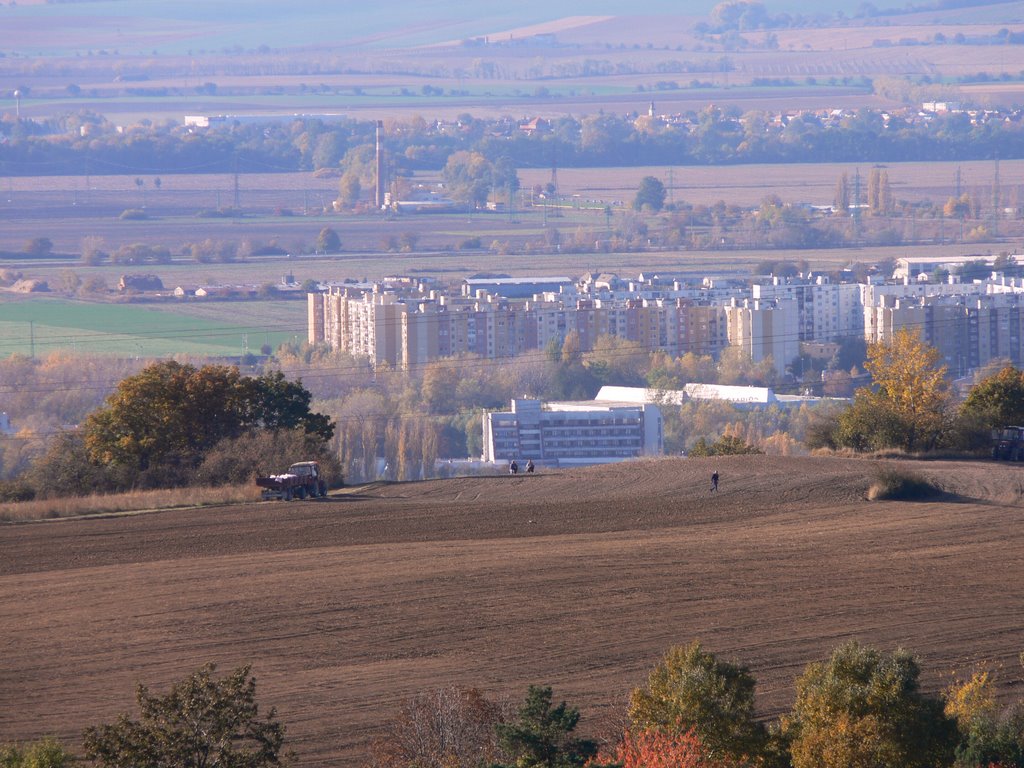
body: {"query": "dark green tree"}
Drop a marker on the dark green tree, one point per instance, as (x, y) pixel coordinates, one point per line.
(168, 412)
(172, 413)
(275, 403)
(203, 722)
(39, 247)
(541, 735)
(328, 241)
(650, 194)
(997, 400)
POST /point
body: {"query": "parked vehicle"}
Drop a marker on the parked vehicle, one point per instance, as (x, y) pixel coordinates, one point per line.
(301, 480)
(1008, 444)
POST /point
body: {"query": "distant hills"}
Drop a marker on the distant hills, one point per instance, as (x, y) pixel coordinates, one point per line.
(143, 26)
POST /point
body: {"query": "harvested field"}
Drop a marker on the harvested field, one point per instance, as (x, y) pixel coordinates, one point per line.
(578, 579)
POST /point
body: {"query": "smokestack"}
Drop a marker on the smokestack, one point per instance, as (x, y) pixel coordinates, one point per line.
(379, 194)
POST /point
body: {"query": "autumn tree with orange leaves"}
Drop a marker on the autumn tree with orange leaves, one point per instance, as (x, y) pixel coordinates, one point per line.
(664, 749)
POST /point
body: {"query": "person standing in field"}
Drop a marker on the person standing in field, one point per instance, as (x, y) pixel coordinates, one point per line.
(714, 481)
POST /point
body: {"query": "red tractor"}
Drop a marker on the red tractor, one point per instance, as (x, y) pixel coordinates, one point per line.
(301, 480)
(1008, 444)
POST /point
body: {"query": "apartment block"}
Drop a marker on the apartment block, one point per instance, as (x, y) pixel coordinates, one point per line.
(405, 323)
(765, 329)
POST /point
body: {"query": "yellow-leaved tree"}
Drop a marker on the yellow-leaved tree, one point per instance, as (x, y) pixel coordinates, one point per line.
(864, 709)
(909, 406)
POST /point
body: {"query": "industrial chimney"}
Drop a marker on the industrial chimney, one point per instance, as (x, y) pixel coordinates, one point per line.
(379, 193)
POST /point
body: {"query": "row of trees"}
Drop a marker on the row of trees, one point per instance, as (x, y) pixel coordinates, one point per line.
(911, 407)
(860, 707)
(174, 423)
(710, 136)
(407, 419)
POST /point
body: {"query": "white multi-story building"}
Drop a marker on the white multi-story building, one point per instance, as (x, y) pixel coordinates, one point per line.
(765, 329)
(565, 434)
(826, 310)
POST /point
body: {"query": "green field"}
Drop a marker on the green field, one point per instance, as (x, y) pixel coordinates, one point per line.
(224, 329)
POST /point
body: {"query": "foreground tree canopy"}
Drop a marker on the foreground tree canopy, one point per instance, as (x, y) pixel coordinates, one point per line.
(542, 735)
(203, 722)
(864, 708)
(860, 708)
(692, 690)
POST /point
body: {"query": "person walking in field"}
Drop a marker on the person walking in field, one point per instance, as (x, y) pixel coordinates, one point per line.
(714, 481)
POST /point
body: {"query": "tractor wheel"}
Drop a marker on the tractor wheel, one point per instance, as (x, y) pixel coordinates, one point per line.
(301, 492)
(287, 494)
(323, 488)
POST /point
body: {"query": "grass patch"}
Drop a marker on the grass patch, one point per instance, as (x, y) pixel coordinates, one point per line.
(46, 324)
(124, 503)
(891, 484)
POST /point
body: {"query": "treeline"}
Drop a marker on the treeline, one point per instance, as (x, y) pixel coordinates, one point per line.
(395, 424)
(859, 707)
(398, 424)
(87, 143)
(155, 428)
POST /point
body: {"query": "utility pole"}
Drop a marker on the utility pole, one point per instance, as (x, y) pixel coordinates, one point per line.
(378, 193)
(671, 185)
(996, 203)
(238, 203)
(856, 206)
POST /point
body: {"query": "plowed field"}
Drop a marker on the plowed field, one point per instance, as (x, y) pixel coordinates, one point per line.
(577, 579)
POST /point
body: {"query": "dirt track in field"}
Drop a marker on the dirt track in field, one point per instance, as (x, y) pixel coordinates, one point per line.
(578, 579)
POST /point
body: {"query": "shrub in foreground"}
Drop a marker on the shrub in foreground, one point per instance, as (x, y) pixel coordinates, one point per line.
(45, 753)
(202, 721)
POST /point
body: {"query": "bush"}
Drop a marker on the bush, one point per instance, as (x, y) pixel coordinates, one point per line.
(219, 213)
(240, 460)
(14, 490)
(47, 753)
(900, 485)
(133, 214)
(39, 247)
(726, 445)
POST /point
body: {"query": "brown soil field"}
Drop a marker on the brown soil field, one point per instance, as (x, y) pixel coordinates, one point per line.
(578, 579)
